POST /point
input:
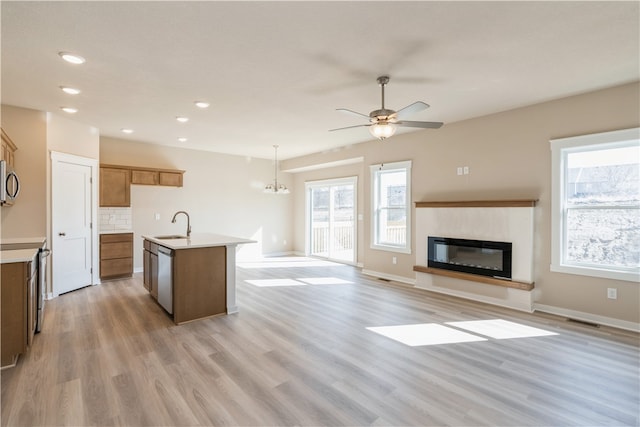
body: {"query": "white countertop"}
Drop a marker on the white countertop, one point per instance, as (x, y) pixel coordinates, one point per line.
(17, 255)
(199, 240)
(115, 231)
(20, 240)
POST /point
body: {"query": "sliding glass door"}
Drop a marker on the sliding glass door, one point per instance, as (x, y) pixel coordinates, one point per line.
(331, 219)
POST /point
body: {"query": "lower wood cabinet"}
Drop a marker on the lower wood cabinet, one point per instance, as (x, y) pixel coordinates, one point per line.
(116, 255)
(150, 267)
(19, 307)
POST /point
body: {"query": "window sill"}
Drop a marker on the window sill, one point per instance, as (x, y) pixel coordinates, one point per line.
(391, 249)
(596, 272)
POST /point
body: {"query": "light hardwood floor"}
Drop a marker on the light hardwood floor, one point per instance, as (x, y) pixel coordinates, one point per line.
(301, 355)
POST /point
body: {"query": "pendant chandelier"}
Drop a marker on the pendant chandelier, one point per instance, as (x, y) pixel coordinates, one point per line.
(276, 188)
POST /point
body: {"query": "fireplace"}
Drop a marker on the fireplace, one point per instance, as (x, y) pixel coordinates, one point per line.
(479, 257)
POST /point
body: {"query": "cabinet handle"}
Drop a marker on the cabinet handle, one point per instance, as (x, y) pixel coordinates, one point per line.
(62, 234)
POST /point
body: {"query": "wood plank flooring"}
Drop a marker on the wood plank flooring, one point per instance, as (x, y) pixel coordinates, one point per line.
(301, 355)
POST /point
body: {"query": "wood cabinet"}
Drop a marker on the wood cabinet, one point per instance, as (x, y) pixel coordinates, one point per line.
(116, 255)
(19, 307)
(8, 149)
(115, 187)
(116, 181)
(150, 267)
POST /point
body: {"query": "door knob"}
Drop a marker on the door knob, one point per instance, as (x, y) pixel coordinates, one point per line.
(62, 234)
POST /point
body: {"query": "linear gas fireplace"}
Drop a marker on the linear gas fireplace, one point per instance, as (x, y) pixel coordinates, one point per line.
(480, 257)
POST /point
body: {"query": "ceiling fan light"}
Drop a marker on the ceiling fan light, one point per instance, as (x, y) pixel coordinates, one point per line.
(382, 130)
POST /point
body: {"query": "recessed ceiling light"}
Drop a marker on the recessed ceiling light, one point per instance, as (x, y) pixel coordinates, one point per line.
(69, 110)
(182, 139)
(202, 104)
(72, 58)
(70, 90)
(182, 119)
(126, 130)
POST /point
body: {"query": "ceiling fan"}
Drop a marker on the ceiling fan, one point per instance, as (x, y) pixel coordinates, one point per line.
(383, 122)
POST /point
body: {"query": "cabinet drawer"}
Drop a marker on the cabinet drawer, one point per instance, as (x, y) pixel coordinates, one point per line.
(144, 177)
(118, 237)
(116, 250)
(116, 267)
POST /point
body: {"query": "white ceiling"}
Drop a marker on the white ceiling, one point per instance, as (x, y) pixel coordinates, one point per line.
(275, 72)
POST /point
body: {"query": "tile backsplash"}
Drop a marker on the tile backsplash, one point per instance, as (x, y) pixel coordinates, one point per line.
(112, 219)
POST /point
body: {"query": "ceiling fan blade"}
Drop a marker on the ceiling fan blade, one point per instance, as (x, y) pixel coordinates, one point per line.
(344, 110)
(426, 125)
(349, 127)
(410, 109)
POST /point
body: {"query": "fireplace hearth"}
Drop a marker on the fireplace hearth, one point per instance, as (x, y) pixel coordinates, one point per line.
(481, 257)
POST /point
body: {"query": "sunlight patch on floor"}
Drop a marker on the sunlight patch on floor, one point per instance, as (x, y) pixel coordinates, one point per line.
(288, 262)
(266, 283)
(270, 283)
(501, 329)
(425, 334)
(324, 281)
(474, 330)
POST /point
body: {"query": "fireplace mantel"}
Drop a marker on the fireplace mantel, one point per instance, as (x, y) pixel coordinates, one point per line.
(520, 203)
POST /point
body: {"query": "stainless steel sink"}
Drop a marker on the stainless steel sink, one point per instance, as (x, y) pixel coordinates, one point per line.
(170, 237)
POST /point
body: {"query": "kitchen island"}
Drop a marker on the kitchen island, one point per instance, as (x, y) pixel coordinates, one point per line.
(192, 277)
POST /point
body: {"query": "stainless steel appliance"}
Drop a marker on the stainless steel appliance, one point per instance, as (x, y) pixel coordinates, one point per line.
(43, 253)
(9, 184)
(165, 278)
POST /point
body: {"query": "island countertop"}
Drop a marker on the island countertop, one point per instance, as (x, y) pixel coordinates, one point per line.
(199, 240)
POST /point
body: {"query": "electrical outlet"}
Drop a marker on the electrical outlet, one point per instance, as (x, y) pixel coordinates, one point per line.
(459, 170)
(465, 170)
(394, 260)
(157, 216)
(612, 293)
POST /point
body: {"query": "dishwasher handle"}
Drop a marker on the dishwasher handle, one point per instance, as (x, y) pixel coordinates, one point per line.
(165, 251)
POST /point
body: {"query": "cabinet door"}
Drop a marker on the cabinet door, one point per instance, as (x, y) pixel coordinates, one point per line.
(14, 311)
(115, 187)
(146, 269)
(154, 275)
(173, 179)
(144, 177)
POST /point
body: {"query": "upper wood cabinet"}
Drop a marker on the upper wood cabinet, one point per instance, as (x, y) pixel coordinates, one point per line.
(8, 149)
(116, 180)
(115, 187)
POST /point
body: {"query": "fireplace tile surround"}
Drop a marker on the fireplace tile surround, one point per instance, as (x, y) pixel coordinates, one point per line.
(499, 221)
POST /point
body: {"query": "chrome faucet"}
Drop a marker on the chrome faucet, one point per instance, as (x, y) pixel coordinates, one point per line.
(173, 221)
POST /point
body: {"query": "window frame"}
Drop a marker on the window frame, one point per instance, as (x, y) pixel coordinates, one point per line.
(375, 208)
(560, 148)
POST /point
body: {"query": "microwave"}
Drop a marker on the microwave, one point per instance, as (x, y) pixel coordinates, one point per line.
(9, 184)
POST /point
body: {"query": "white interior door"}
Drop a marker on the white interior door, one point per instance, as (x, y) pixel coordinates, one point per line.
(72, 241)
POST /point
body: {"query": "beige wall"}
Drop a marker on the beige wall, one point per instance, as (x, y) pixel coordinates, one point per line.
(222, 194)
(509, 156)
(28, 130)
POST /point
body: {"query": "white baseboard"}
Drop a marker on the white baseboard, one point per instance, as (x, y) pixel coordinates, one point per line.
(138, 270)
(393, 277)
(588, 317)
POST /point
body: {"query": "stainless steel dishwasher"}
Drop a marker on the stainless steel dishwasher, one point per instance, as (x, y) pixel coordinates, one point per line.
(165, 278)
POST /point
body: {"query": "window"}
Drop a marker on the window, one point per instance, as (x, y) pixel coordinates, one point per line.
(596, 205)
(391, 210)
